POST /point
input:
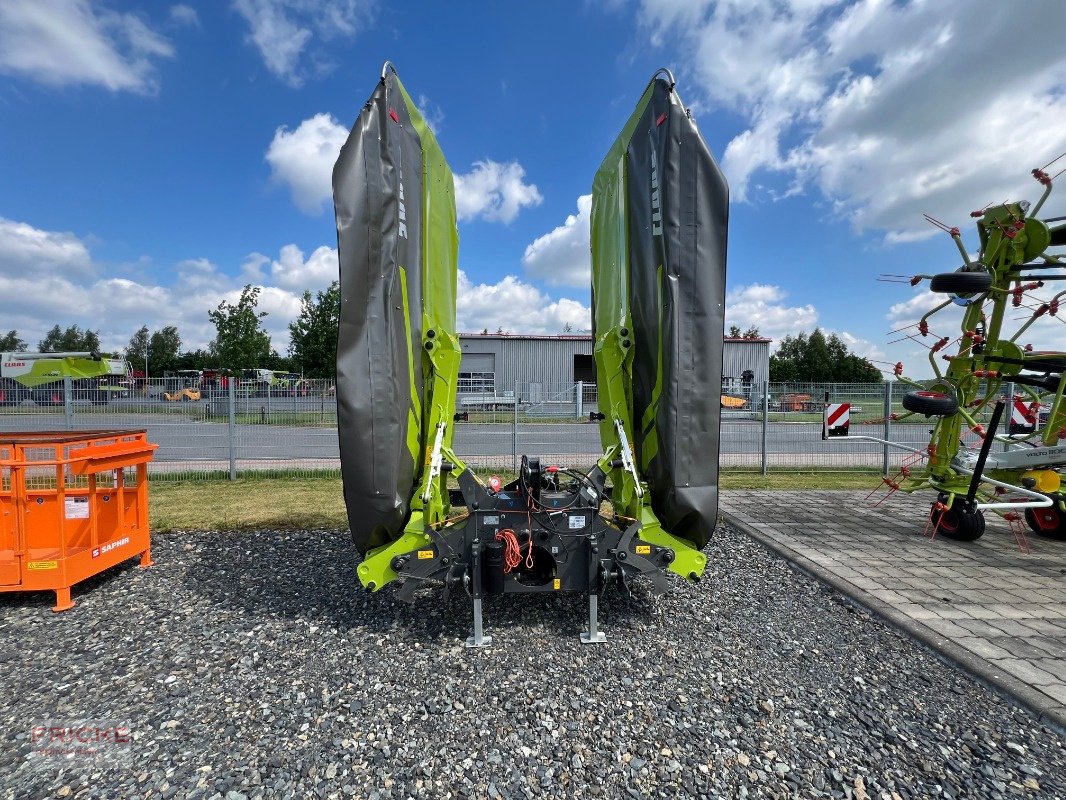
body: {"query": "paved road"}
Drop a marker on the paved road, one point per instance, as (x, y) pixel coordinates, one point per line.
(996, 606)
(182, 438)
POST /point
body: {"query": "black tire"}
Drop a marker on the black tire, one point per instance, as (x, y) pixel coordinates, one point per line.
(959, 524)
(1050, 517)
(961, 283)
(930, 403)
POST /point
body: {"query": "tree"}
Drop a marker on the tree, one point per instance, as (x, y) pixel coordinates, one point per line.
(750, 333)
(279, 363)
(71, 340)
(163, 350)
(137, 349)
(241, 341)
(11, 343)
(313, 335)
(195, 359)
(818, 359)
(568, 328)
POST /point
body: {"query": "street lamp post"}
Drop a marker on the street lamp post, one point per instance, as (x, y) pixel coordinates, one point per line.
(146, 342)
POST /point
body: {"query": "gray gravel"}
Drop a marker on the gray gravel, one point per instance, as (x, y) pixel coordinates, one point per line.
(250, 665)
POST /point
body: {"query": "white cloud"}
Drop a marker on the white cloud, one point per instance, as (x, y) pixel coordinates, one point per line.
(184, 15)
(431, 113)
(24, 248)
(303, 160)
(561, 256)
(291, 271)
(763, 306)
(31, 301)
(517, 307)
(47, 277)
(860, 347)
(282, 30)
(493, 191)
(888, 109)
(64, 42)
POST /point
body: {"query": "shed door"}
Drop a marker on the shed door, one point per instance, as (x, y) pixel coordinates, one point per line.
(478, 362)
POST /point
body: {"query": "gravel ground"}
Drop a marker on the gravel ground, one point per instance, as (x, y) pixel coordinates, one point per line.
(250, 665)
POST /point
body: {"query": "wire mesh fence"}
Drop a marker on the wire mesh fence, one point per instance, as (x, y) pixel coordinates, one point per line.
(218, 428)
(232, 428)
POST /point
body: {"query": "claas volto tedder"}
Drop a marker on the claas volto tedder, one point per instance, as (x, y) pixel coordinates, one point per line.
(659, 220)
(1014, 272)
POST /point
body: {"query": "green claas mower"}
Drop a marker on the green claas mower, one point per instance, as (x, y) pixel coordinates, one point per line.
(41, 377)
(659, 222)
(1012, 275)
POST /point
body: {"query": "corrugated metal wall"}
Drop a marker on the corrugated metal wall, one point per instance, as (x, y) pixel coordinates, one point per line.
(526, 359)
(550, 359)
(741, 355)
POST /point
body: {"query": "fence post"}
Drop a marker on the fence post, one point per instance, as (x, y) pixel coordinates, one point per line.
(68, 402)
(580, 399)
(765, 423)
(514, 433)
(888, 427)
(1010, 410)
(232, 430)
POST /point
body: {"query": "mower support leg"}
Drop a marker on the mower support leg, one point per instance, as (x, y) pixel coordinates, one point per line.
(593, 635)
(479, 639)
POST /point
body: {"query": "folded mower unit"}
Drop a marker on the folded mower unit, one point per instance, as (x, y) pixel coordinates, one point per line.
(659, 221)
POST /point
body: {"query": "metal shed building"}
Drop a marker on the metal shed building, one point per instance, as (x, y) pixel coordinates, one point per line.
(494, 363)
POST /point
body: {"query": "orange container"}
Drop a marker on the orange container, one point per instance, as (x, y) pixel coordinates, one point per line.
(72, 504)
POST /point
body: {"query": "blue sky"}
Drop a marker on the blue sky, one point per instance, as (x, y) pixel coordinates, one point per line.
(156, 157)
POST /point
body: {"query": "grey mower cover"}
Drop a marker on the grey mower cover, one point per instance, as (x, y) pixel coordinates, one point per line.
(660, 215)
(397, 245)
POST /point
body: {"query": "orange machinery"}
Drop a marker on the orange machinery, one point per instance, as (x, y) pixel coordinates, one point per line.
(72, 504)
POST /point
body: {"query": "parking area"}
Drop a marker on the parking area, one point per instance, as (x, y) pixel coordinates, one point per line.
(998, 611)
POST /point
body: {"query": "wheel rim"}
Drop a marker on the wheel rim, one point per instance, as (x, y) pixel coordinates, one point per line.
(949, 522)
(1047, 518)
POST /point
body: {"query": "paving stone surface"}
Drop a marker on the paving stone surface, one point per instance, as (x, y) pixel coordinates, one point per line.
(1006, 608)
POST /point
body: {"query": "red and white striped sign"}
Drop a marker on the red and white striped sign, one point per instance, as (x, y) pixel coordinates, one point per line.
(1022, 417)
(837, 418)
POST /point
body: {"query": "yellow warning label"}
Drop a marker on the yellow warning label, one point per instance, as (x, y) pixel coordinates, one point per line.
(558, 583)
(425, 554)
(643, 549)
(42, 565)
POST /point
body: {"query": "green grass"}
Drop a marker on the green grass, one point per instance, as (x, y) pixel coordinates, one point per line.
(214, 504)
(300, 502)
